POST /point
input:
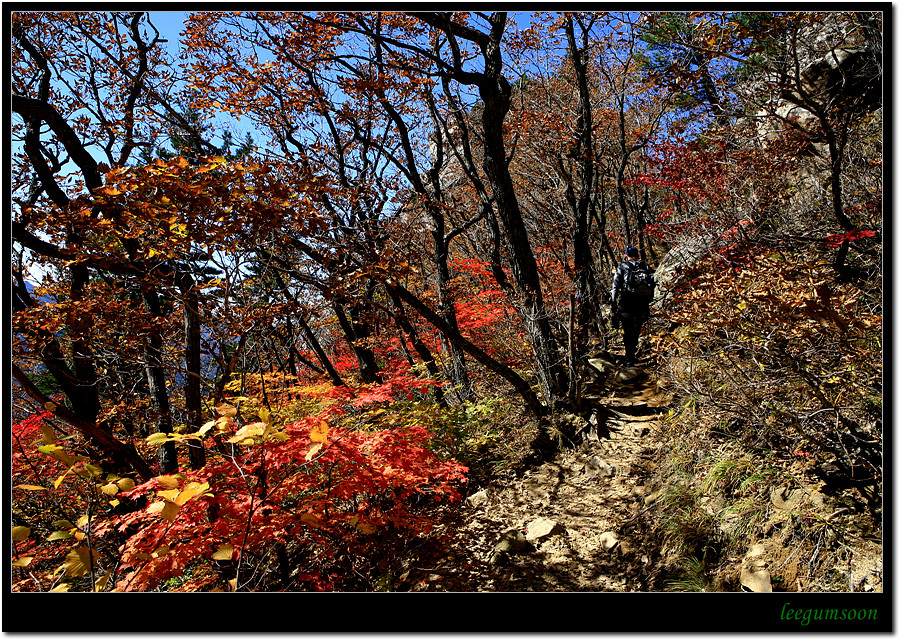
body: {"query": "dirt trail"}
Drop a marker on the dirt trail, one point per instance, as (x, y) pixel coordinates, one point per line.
(579, 511)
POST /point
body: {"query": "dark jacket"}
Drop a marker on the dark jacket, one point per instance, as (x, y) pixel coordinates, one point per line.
(628, 305)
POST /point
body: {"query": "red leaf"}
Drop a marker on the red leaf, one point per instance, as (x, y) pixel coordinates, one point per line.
(838, 239)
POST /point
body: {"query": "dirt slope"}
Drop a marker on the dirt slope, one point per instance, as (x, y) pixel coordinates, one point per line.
(583, 508)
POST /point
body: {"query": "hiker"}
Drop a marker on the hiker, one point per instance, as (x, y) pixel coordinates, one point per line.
(632, 293)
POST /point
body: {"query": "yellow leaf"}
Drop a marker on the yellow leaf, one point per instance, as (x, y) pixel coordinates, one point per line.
(169, 511)
(20, 533)
(319, 432)
(94, 470)
(190, 490)
(160, 551)
(79, 561)
(264, 416)
(158, 439)
(59, 480)
(168, 482)
(224, 552)
(60, 588)
(101, 582)
(125, 484)
(110, 489)
(57, 452)
(169, 494)
(47, 434)
(233, 584)
(206, 428)
(156, 507)
(23, 561)
(87, 471)
(313, 450)
(31, 487)
(246, 435)
(59, 535)
(50, 406)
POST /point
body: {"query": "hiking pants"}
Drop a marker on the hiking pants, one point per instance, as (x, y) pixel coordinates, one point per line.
(631, 333)
(633, 314)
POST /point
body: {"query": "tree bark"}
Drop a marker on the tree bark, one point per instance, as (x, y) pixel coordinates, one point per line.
(421, 348)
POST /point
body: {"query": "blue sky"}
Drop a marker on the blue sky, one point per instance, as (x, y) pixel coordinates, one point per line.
(170, 24)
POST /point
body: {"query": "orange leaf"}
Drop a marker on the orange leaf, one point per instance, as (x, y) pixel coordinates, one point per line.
(311, 520)
(319, 433)
(225, 409)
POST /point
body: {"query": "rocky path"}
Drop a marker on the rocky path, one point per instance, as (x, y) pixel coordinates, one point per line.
(572, 523)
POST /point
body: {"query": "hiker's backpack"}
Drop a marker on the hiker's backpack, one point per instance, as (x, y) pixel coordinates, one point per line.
(638, 279)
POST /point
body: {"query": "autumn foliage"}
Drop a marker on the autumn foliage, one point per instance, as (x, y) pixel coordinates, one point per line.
(310, 488)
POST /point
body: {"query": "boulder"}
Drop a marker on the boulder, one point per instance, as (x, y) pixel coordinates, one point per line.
(478, 499)
(512, 542)
(602, 363)
(629, 374)
(608, 540)
(541, 528)
(754, 574)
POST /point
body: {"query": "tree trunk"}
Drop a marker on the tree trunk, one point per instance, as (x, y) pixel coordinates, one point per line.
(227, 367)
(86, 401)
(586, 280)
(156, 381)
(353, 332)
(456, 365)
(495, 93)
(421, 348)
(308, 334)
(192, 399)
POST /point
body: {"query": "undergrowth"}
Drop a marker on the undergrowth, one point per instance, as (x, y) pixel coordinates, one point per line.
(776, 366)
